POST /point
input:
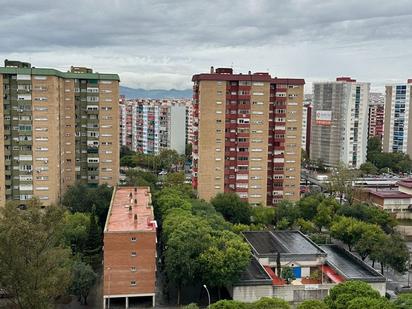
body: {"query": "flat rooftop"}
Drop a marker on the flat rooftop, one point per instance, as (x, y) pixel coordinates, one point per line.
(254, 274)
(130, 210)
(286, 242)
(349, 266)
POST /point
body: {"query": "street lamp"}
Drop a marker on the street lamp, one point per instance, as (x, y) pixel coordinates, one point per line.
(208, 294)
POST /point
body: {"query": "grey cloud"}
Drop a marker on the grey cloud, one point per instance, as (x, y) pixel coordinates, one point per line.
(159, 43)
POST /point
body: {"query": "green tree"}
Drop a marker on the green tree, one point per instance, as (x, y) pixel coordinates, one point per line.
(374, 147)
(308, 206)
(125, 151)
(81, 198)
(75, 230)
(372, 238)
(370, 303)
(93, 243)
(270, 303)
(404, 301)
(340, 183)
(169, 199)
(232, 207)
(369, 213)
(214, 218)
(348, 230)
(223, 261)
(287, 210)
(228, 304)
(324, 213)
(305, 226)
(184, 245)
(263, 215)
(283, 224)
(288, 274)
(169, 160)
(341, 294)
(368, 168)
(83, 280)
(141, 179)
(34, 265)
(312, 304)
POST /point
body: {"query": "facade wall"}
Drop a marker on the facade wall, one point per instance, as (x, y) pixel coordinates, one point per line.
(118, 262)
(2, 143)
(251, 293)
(211, 138)
(398, 113)
(247, 137)
(48, 126)
(177, 132)
(46, 143)
(109, 126)
(342, 137)
(291, 293)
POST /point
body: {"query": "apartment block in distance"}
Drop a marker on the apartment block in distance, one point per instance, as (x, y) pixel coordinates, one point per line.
(247, 135)
(340, 122)
(149, 126)
(306, 126)
(130, 247)
(398, 112)
(376, 115)
(58, 128)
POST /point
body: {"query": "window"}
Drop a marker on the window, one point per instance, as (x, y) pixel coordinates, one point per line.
(133, 253)
(133, 283)
(133, 268)
(133, 239)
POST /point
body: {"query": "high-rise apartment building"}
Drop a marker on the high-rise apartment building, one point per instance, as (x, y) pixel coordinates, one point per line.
(149, 126)
(376, 120)
(398, 112)
(306, 126)
(339, 122)
(247, 135)
(58, 128)
(129, 247)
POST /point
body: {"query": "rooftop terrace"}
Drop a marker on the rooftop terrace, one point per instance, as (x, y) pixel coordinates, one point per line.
(130, 210)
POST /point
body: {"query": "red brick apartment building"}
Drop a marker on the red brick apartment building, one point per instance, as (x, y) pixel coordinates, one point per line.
(130, 246)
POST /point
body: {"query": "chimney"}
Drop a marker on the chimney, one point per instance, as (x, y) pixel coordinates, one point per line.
(212, 70)
(250, 72)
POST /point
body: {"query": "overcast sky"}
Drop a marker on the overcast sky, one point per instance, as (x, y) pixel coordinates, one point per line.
(161, 44)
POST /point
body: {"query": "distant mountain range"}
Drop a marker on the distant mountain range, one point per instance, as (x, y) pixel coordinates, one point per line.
(131, 93)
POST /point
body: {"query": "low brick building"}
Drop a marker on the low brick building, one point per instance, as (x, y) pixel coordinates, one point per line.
(130, 246)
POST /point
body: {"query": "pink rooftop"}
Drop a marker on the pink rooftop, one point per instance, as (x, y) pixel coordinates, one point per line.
(130, 210)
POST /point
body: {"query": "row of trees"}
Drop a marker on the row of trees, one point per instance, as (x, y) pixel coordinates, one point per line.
(55, 251)
(347, 295)
(363, 228)
(199, 245)
(166, 160)
(378, 161)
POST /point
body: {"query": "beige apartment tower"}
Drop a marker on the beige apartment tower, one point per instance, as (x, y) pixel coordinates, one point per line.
(58, 128)
(247, 136)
